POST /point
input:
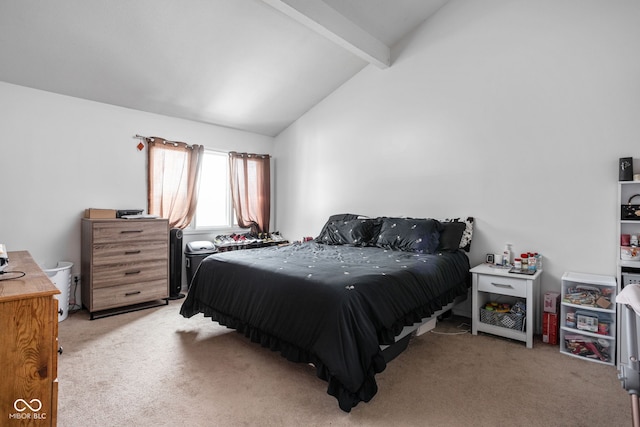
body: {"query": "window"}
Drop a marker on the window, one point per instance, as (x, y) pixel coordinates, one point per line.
(214, 208)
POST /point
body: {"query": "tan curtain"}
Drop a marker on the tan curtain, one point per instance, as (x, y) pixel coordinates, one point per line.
(173, 177)
(250, 177)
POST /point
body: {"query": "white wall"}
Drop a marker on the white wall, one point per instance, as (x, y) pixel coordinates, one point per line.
(60, 155)
(514, 112)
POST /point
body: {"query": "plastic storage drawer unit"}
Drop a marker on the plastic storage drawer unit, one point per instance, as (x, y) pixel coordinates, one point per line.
(194, 253)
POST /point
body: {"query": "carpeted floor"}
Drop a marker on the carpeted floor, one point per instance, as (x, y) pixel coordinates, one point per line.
(155, 368)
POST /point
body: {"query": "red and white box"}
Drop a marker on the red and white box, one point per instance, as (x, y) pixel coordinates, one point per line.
(550, 328)
(551, 302)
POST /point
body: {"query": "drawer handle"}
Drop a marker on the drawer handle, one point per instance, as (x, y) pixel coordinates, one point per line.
(131, 252)
(130, 231)
(127, 273)
(501, 285)
(128, 294)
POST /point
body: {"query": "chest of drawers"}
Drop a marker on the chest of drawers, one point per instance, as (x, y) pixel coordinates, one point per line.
(28, 345)
(125, 262)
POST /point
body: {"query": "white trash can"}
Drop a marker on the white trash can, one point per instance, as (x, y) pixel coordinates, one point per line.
(61, 277)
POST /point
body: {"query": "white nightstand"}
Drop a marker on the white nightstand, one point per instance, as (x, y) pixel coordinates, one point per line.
(497, 284)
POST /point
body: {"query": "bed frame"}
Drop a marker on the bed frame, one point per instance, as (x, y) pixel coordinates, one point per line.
(392, 351)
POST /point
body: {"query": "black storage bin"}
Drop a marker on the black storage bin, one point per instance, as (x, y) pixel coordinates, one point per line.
(194, 253)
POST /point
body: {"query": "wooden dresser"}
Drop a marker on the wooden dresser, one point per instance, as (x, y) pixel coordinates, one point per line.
(125, 264)
(28, 345)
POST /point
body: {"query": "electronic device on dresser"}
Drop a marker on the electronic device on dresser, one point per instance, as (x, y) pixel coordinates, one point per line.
(175, 264)
(122, 213)
(4, 257)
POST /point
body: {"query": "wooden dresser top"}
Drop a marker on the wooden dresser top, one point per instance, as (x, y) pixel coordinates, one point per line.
(35, 282)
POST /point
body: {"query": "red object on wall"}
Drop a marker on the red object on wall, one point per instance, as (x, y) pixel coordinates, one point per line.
(550, 328)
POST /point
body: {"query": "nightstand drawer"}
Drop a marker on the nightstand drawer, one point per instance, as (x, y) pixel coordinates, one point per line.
(502, 285)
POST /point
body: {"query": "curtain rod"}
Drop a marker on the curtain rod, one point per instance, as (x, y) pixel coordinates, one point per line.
(151, 138)
(248, 155)
(231, 153)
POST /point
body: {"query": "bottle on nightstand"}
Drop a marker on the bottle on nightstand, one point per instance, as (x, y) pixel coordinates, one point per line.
(506, 255)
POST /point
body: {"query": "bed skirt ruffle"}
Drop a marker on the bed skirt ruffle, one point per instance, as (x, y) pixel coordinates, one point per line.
(347, 399)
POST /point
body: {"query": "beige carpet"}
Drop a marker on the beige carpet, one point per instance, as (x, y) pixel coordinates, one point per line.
(155, 368)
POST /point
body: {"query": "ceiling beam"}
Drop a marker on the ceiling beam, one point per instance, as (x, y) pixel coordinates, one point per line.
(326, 21)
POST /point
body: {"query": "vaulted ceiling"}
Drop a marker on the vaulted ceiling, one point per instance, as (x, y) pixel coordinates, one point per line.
(254, 65)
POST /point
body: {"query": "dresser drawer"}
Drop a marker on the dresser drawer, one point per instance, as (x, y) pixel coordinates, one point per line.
(127, 253)
(124, 273)
(117, 296)
(502, 285)
(124, 231)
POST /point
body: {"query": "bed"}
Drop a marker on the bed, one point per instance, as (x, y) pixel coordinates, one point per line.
(341, 301)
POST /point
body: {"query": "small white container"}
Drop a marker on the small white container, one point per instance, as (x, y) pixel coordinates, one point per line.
(506, 254)
(60, 275)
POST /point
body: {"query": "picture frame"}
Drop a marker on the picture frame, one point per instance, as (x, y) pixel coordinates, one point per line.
(490, 259)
